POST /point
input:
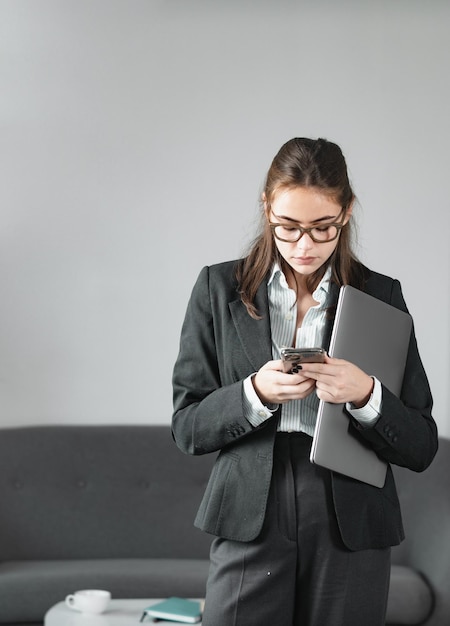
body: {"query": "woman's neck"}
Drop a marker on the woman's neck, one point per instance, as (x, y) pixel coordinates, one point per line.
(298, 283)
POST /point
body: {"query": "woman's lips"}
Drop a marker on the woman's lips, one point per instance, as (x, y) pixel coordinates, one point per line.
(304, 260)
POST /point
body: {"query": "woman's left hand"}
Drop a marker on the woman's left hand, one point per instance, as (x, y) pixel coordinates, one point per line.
(339, 381)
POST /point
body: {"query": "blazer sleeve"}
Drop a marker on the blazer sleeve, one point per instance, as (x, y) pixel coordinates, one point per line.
(405, 434)
(208, 411)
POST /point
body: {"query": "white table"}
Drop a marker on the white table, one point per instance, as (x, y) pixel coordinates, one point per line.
(119, 613)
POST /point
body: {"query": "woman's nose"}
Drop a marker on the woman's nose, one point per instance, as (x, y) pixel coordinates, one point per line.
(305, 242)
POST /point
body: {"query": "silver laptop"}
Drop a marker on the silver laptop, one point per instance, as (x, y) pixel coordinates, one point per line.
(374, 336)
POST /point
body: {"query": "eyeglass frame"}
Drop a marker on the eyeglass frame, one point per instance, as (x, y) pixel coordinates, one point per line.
(338, 225)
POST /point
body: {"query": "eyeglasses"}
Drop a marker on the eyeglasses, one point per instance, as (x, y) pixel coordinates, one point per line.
(291, 233)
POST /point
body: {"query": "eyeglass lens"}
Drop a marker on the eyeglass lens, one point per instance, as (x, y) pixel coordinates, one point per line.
(318, 234)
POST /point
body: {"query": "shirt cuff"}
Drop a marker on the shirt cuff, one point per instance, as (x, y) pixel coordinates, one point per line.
(368, 414)
(255, 411)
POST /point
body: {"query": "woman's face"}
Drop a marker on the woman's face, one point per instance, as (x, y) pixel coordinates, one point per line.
(306, 207)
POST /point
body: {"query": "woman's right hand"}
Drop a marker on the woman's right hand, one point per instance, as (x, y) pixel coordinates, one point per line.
(274, 386)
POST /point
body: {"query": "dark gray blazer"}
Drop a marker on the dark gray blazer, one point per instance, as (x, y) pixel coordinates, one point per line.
(220, 346)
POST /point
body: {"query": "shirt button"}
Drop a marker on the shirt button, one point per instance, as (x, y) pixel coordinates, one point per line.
(261, 414)
(288, 316)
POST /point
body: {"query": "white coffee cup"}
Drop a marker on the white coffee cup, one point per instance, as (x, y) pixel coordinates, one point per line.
(89, 600)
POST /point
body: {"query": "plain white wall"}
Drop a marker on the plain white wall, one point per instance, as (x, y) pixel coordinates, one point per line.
(135, 136)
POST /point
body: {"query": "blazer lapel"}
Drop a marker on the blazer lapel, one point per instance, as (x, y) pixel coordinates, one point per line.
(254, 334)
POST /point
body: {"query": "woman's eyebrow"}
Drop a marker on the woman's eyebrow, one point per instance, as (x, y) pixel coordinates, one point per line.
(325, 218)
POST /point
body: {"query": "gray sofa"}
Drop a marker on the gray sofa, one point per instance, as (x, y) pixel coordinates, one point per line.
(112, 507)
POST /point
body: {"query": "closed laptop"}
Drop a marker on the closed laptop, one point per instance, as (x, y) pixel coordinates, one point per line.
(374, 336)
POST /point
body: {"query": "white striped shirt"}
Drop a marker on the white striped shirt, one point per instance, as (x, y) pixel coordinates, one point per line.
(296, 414)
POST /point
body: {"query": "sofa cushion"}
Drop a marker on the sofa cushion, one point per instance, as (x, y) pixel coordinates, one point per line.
(410, 597)
(29, 588)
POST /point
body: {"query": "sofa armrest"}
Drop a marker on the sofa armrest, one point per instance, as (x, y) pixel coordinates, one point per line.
(425, 501)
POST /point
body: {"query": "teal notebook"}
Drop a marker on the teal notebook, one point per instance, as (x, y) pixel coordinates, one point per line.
(175, 610)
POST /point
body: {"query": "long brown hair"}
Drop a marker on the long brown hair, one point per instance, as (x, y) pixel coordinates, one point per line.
(302, 162)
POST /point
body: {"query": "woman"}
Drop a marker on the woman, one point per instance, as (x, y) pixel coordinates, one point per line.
(295, 544)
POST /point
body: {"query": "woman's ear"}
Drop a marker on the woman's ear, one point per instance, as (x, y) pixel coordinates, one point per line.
(349, 212)
(265, 204)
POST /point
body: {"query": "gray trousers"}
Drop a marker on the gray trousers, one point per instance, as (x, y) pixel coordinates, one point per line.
(297, 572)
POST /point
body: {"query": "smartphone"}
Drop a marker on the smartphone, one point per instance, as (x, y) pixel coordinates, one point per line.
(293, 357)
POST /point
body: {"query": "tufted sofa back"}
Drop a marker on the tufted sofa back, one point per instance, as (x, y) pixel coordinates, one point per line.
(84, 492)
